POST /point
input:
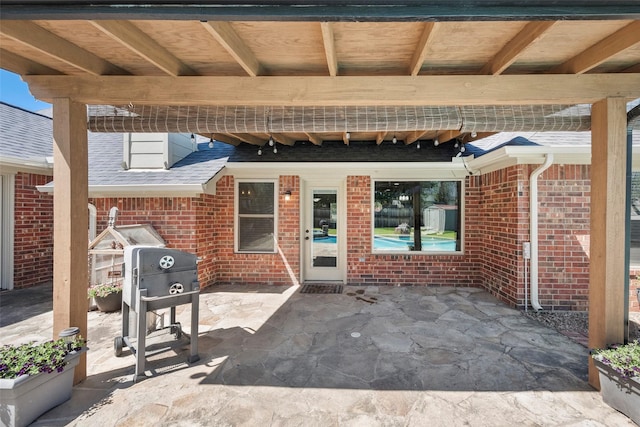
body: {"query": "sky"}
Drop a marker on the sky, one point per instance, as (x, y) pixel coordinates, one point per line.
(16, 92)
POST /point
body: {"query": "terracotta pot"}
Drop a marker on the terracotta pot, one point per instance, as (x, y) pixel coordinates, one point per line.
(112, 302)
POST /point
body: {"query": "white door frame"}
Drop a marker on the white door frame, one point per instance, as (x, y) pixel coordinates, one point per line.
(308, 271)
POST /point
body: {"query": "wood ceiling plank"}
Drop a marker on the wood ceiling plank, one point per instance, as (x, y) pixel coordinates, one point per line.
(341, 90)
(54, 46)
(224, 33)
(251, 139)
(601, 51)
(21, 65)
(315, 139)
(136, 40)
(422, 48)
(328, 40)
(532, 32)
(632, 69)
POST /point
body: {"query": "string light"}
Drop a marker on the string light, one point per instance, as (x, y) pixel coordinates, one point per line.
(394, 140)
(260, 151)
(271, 141)
(211, 142)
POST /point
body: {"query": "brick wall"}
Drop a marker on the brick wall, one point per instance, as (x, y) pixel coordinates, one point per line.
(281, 268)
(563, 225)
(174, 218)
(33, 232)
(365, 268)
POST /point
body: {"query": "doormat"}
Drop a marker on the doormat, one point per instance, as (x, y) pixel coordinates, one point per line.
(321, 288)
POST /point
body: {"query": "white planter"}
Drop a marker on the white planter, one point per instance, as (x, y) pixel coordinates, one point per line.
(622, 394)
(25, 398)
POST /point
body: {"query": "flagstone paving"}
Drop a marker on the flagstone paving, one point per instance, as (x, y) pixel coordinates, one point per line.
(369, 356)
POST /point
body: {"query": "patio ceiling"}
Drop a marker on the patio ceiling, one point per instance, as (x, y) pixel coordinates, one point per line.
(242, 72)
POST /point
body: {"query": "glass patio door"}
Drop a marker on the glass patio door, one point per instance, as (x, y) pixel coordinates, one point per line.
(323, 234)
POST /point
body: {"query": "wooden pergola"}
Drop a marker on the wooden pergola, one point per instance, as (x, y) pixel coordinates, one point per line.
(330, 54)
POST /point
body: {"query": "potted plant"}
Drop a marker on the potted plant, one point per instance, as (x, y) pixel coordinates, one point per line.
(619, 373)
(35, 378)
(108, 296)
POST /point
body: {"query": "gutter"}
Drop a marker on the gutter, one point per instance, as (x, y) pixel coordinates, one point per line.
(136, 190)
(533, 228)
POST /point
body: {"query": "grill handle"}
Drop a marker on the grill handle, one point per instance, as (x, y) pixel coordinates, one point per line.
(168, 296)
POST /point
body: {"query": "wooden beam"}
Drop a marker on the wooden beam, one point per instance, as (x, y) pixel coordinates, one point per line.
(70, 173)
(329, 47)
(47, 43)
(601, 51)
(21, 65)
(283, 139)
(607, 247)
(224, 33)
(250, 139)
(414, 136)
(448, 135)
(228, 139)
(139, 42)
(422, 48)
(380, 136)
(314, 138)
(346, 137)
(531, 33)
(342, 90)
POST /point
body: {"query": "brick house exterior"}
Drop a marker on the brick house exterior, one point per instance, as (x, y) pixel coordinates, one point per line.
(33, 231)
(495, 211)
(496, 216)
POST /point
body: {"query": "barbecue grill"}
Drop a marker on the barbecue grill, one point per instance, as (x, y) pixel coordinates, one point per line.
(157, 278)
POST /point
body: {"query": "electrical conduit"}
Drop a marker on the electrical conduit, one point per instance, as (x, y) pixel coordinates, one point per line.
(533, 211)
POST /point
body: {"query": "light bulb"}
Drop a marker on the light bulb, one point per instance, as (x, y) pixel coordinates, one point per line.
(211, 143)
(463, 149)
(259, 151)
(418, 145)
(348, 135)
(394, 140)
(275, 150)
(436, 142)
(473, 134)
(271, 142)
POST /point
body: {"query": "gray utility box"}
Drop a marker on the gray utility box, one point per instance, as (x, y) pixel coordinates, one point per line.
(162, 272)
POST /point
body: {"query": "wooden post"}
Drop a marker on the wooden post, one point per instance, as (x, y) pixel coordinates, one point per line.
(607, 265)
(70, 220)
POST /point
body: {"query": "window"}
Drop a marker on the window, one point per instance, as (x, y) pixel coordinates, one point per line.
(418, 216)
(255, 221)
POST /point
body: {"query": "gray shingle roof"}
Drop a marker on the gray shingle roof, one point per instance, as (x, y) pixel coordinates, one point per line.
(105, 165)
(550, 139)
(25, 136)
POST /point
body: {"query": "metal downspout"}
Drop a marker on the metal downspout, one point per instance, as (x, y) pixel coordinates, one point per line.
(533, 212)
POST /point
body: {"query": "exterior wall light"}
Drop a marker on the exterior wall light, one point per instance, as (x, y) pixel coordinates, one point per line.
(287, 195)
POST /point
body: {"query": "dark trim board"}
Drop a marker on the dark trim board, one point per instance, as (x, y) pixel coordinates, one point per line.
(301, 10)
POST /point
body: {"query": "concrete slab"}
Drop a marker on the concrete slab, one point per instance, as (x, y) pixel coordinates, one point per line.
(385, 356)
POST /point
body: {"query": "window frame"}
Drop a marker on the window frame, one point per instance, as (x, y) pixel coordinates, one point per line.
(237, 215)
(461, 211)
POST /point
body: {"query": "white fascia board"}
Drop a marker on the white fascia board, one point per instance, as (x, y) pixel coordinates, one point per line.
(13, 164)
(527, 155)
(453, 169)
(159, 190)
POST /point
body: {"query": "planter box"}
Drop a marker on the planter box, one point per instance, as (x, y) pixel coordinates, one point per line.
(622, 394)
(25, 398)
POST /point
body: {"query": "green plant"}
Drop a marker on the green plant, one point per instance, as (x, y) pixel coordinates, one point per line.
(32, 358)
(104, 289)
(624, 359)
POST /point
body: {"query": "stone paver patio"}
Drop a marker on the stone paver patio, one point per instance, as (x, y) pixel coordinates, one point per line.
(369, 356)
